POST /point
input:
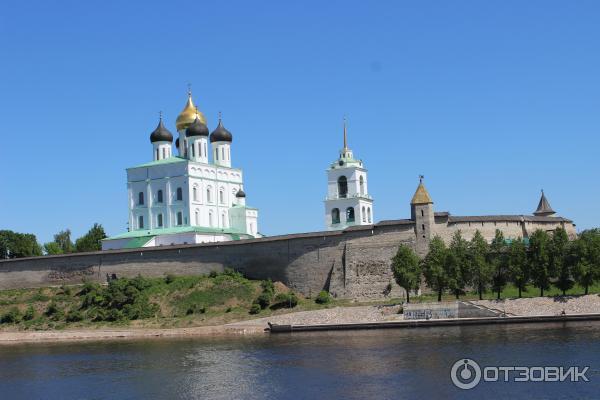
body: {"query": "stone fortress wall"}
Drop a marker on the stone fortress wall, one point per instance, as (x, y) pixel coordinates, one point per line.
(354, 263)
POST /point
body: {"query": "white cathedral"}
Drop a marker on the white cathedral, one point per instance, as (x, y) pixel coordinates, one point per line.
(189, 198)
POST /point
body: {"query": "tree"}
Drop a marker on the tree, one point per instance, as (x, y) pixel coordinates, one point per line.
(434, 266)
(63, 239)
(18, 245)
(560, 263)
(458, 260)
(585, 256)
(92, 240)
(480, 267)
(52, 248)
(407, 270)
(498, 258)
(539, 260)
(518, 265)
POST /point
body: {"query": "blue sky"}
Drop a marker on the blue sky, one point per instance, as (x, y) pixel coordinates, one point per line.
(491, 101)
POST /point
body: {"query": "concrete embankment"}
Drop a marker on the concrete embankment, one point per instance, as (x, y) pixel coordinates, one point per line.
(275, 328)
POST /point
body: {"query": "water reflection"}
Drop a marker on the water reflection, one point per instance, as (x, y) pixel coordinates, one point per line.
(382, 364)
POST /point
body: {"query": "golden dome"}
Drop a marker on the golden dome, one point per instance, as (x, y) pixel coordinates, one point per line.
(188, 115)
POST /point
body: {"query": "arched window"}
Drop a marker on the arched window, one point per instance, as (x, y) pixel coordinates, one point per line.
(164, 153)
(209, 194)
(179, 194)
(197, 217)
(193, 149)
(369, 214)
(141, 198)
(350, 214)
(362, 185)
(422, 213)
(222, 153)
(159, 196)
(179, 218)
(159, 220)
(342, 187)
(364, 215)
(141, 222)
(217, 154)
(335, 216)
(195, 193)
(210, 218)
(157, 156)
(251, 228)
(221, 196)
(223, 221)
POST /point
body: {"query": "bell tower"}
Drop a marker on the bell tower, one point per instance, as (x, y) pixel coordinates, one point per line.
(348, 202)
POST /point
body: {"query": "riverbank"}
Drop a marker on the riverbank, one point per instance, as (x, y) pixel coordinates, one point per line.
(542, 309)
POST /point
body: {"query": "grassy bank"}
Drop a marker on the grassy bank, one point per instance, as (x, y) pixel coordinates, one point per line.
(167, 302)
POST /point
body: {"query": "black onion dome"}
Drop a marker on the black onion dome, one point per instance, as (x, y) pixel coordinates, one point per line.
(197, 128)
(220, 134)
(240, 193)
(161, 134)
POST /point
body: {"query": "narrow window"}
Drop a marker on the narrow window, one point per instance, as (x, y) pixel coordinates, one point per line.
(423, 227)
(350, 214)
(362, 185)
(342, 187)
(217, 154)
(164, 153)
(141, 222)
(157, 154)
(222, 153)
(159, 196)
(229, 154)
(197, 217)
(194, 150)
(335, 216)
(422, 213)
(223, 224)
(195, 193)
(364, 215)
(159, 220)
(210, 218)
(221, 197)
(208, 195)
(369, 214)
(179, 218)
(179, 194)
(141, 198)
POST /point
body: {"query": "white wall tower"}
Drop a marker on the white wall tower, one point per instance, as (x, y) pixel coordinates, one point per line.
(220, 140)
(348, 201)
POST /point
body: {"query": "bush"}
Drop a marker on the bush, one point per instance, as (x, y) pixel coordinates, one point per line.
(213, 274)
(232, 273)
(255, 309)
(195, 309)
(74, 316)
(13, 316)
(285, 300)
(264, 300)
(228, 309)
(268, 287)
(29, 314)
(170, 278)
(323, 297)
(66, 290)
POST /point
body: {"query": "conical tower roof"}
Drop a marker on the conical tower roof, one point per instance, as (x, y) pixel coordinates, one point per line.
(544, 209)
(421, 195)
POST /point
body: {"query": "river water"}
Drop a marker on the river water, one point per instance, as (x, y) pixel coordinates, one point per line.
(381, 364)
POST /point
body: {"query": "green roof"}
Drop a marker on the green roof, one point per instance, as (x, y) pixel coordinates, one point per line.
(137, 242)
(150, 233)
(170, 160)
